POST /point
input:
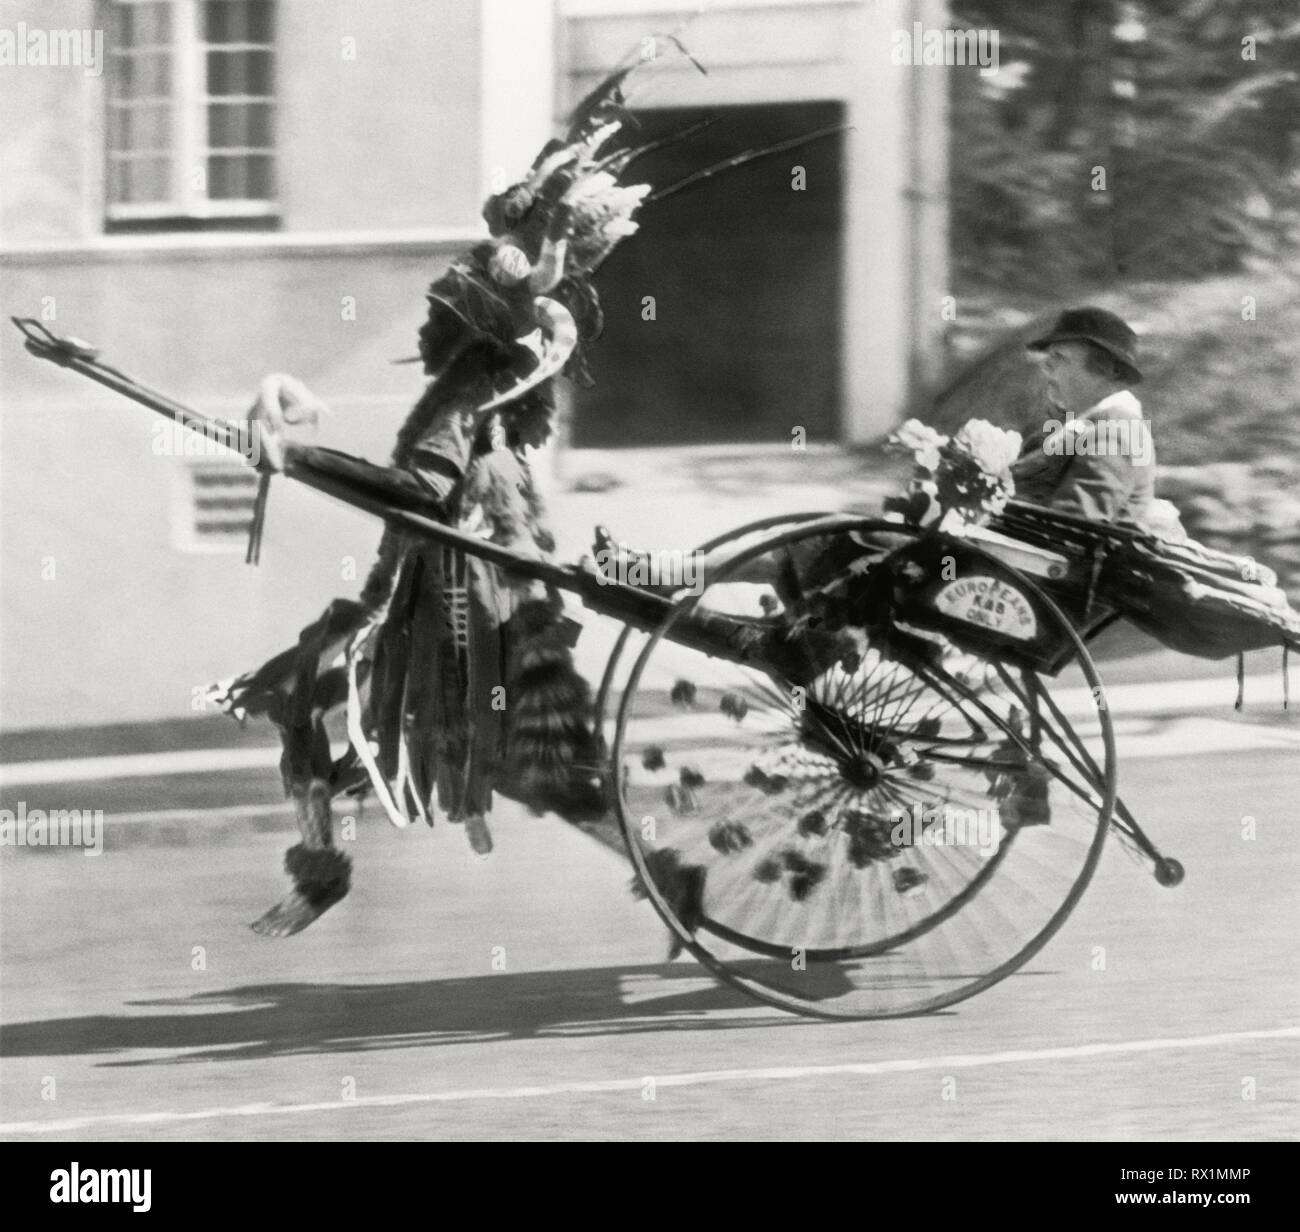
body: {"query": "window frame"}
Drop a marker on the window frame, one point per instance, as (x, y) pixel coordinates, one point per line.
(188, 146)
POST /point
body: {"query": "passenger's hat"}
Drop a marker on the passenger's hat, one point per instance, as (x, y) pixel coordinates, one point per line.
(1101, 328)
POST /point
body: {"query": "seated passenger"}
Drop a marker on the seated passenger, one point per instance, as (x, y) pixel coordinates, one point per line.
(1098, 461)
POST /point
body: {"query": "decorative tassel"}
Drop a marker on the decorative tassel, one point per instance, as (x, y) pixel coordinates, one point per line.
(1241, 680)
(254, 554)
(551, 752)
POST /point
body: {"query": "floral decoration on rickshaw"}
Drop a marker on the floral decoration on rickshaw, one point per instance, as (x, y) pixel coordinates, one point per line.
(967, 474)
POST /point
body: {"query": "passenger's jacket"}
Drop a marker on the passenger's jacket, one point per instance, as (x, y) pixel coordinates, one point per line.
(1098, 465)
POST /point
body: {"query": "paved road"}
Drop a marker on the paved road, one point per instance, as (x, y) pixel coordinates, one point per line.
(526, 995)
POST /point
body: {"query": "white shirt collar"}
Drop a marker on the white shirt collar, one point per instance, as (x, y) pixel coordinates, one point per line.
(1120, 400)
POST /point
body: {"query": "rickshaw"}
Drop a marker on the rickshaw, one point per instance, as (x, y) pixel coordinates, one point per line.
(867, 770)
(862, 768)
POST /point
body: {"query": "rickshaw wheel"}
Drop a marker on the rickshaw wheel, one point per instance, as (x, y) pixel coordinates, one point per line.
(889, 828)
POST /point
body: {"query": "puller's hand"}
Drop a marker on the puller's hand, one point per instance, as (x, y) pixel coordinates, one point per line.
(282, 402)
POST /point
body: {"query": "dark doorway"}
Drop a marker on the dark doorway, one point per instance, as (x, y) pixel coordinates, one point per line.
(745, 273)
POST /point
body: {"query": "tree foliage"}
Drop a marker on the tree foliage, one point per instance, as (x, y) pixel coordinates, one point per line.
(1149, 139)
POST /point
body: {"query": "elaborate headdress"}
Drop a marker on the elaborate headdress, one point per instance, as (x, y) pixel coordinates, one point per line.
(526, 296)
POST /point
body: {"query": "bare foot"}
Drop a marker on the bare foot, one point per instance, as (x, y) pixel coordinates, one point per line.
(480, 838)
(292, 914)
(321, 877)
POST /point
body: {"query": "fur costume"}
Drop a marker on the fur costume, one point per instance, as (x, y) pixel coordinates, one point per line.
(457, 677)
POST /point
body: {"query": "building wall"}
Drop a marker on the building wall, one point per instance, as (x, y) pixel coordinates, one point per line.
(51, 172)
(102, 616)
(380, 141)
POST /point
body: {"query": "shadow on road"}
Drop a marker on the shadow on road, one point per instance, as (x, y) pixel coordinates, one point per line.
(271, 1020)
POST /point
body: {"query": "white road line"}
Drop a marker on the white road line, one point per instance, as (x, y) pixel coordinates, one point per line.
(864, 1069)
(1198, 736)
(135, 765)
(234, 812)
(1263, 693)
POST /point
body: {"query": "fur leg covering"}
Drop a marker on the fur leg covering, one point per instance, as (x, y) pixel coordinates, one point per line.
(321, 874)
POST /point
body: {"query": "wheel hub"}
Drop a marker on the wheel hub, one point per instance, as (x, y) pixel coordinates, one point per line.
(863, 770)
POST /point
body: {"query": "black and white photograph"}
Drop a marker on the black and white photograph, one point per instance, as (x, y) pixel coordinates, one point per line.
(623, 571)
